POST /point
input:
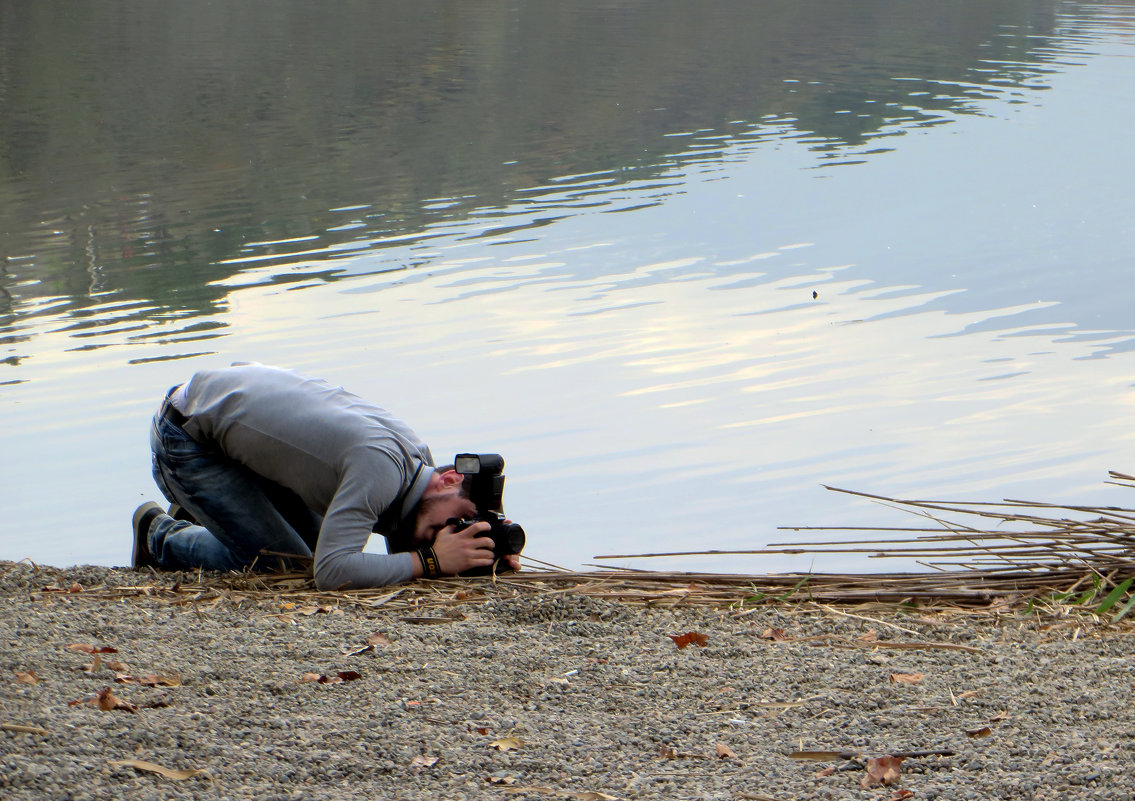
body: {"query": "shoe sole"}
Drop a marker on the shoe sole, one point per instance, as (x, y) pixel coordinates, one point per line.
(141, 555)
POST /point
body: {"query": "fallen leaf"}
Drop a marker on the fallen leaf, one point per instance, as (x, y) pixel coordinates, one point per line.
(900, 795)
(93, 666)
(337, 678)
(116, 666)
(378, 639)
(76, 587)
(828, 771)
(682, 640)
(106, 701)
(978, 733)
(87, 648)
(1000, 716)
(319, 610)
(775, 634)
(968, 694)
(481, 730)
(881, 770)
(423, 761)
(868, 636)
(27, 677)
(725, 752)
(507, 744)
(169, 773)
(906, 678)
(500, 780)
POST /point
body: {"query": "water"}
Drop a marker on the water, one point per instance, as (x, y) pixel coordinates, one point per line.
(681, 266)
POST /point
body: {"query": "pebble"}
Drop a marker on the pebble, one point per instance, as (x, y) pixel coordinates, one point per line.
(597, 695)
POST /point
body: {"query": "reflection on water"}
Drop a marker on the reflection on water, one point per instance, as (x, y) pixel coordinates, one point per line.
(680, 265)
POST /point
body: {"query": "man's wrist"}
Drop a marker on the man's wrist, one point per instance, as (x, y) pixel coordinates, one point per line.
(428, 559)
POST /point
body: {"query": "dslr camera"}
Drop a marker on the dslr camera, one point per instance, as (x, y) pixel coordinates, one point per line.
(484, 484)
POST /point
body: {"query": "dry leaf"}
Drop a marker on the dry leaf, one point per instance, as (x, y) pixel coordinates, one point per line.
(725, 752)
(507, 744)
(881, 770)
(27, 677)
(682, 640)
(106, 701)
(868, 636)
(169, 773)
(906, 678)
(900, 795)
(501, 780)
(828, 771)
(378, 639)
(116, 666)
(423, 761)
(978, 733)
(1000, 716)
(775, 634)
(87, 648)
(337, 678)
(93, 666)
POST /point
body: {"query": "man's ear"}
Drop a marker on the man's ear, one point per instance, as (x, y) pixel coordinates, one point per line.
(445, 482)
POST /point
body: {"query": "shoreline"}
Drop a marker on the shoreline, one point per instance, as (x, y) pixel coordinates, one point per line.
(543, 695)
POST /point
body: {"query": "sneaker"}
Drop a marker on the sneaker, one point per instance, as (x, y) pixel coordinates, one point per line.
(143, 518)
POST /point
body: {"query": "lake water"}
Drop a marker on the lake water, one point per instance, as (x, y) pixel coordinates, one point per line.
(681, 264)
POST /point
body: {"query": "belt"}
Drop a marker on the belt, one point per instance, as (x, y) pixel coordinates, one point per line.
(169, 412)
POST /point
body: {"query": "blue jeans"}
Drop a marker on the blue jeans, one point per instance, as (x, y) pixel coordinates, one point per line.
(245, 521)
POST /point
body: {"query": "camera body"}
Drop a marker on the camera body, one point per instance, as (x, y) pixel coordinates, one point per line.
(484, 483)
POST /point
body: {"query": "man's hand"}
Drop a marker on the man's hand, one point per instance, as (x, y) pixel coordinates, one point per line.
(458, 551)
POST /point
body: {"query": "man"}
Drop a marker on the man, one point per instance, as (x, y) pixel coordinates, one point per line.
(272, 465)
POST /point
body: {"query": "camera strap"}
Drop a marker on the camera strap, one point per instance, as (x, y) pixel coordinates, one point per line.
(391, 523)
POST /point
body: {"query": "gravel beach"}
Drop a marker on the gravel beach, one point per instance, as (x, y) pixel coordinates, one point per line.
(543, 695)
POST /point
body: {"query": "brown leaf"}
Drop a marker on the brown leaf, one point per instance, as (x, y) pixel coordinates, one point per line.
(87, 648)
(881, 770)
(507, 744)
(906, 678)
(378, 639)
(423, 761)
(93, 666)
(336, 678)
(978, 733)
(116, 666)
(501, 780)
(682, 640)
(27, 677)
(900, 795)
(869, 636)
(107, 702)
(76, 587)
(150, 767)
(828, 771)
(774, 634)
(1000, 716)
(725, 752)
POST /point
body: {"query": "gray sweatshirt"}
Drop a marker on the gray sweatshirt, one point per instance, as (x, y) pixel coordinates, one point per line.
(348, 460)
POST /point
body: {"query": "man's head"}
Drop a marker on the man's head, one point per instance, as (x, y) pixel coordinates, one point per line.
(444, 497)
